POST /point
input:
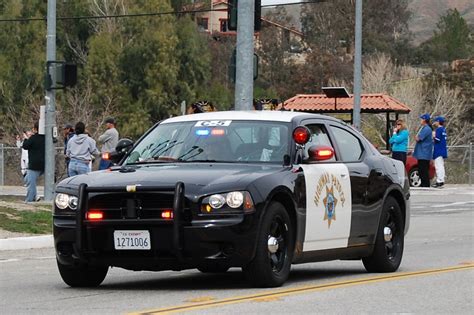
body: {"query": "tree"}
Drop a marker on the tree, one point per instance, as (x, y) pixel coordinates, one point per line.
(451, 40)
(22, 60)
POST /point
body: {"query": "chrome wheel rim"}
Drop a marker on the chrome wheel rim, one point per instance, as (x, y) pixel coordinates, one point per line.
(277, 244)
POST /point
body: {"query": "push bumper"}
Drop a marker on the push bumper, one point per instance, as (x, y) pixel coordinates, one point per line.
(175, 244)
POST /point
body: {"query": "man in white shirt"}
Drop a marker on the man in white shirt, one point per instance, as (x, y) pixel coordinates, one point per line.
(109, 140)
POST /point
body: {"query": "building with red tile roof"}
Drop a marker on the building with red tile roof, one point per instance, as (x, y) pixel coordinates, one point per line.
(370, 103)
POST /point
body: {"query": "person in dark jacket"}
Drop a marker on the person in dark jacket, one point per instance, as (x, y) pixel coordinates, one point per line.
(35, 146)
(424, 149)
(440, 151)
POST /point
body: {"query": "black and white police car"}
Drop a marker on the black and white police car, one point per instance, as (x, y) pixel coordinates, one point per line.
(258, 190)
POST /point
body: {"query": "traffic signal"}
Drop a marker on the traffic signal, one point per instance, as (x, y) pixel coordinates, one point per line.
(233, 66)
(232, 15)
(65, 74)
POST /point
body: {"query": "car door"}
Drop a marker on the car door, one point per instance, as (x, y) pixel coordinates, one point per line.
(352, 153)
(328, 197)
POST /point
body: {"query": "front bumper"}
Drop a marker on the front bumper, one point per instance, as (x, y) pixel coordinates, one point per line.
(187, 241)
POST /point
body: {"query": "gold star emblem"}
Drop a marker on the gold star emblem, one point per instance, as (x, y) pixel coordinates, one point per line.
(330, 203)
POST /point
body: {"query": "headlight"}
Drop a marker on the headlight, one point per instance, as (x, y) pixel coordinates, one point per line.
(233, 202)
(234, 199)
(73, 201)
(63, 201)
(216, 201)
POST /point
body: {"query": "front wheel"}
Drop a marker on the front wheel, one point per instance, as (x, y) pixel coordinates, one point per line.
(82, 275)
(275, 243)
(388, 248)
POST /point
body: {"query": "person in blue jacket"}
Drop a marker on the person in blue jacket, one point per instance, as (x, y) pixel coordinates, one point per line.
(399, 141)
(440, 151)
(424, 149)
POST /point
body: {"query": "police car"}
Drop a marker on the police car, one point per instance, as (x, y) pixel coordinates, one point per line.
(257, 190)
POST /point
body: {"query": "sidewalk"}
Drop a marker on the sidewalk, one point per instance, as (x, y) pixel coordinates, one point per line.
(24, 242)
(18, 191)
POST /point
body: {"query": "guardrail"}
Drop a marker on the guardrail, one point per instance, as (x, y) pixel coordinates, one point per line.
(459, 165)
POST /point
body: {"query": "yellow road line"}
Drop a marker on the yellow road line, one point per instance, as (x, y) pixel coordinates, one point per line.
(303, 289)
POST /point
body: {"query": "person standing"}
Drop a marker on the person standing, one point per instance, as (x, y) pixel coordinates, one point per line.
(109, 140)
(80, 149)
(35, 146)
(440, 151)
(399, 141)
(68, 133)
(424, 149)
(24, 153)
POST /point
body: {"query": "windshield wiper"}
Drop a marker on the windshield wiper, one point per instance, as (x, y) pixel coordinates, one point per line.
(193, 148)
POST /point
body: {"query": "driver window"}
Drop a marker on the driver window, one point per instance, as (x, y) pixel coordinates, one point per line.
(319, 136)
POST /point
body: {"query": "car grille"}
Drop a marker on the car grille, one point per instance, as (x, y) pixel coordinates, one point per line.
(131, 206)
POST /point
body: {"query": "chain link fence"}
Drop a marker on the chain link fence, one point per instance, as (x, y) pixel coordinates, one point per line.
(10, 168)
(459, 165)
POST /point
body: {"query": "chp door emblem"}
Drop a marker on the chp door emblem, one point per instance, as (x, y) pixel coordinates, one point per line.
(330, 203)
(328, 187)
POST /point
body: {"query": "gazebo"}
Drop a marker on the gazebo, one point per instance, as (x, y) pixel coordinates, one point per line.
(370, 103)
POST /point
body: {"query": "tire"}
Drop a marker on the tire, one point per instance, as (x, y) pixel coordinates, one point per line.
(414, 177)
(81, 275)
(271, 266)
(388, 249)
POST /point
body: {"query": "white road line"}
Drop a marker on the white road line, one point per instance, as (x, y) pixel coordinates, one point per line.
(9, 260)
(453, 204)
(448, 210)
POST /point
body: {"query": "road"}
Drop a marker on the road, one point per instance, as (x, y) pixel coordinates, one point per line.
(436, 276)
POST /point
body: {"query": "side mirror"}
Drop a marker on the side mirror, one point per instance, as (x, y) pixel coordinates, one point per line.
(122, 148)
(320, 153)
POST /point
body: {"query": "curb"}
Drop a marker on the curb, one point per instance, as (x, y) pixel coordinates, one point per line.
(30, 242)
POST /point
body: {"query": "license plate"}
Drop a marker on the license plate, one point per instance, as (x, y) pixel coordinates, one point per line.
(132, 240)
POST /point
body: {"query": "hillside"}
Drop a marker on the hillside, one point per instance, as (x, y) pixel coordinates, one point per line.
(426, 14)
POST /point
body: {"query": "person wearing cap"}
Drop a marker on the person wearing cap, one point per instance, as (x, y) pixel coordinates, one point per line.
(80, 149)
(440, 151)
(109, 140)
(68, 133)
(424, 149)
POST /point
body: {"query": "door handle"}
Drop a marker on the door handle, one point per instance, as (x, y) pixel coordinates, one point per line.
(343, 175)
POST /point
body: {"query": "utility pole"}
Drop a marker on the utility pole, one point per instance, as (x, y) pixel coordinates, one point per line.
(244, 55)
(357, 63)
(50, 98)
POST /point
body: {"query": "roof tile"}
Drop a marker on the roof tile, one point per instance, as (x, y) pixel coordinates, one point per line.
(369, 103)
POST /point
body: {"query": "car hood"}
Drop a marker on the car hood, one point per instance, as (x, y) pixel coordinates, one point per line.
(199, 178)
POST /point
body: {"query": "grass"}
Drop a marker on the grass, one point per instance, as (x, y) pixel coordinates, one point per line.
(33, 222)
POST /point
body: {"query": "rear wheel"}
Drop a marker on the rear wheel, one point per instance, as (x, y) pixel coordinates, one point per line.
(82, 275)
(275, 244)
(414, 176)
(388, 248)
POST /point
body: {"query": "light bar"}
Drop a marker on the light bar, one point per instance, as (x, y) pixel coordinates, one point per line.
(202, 132)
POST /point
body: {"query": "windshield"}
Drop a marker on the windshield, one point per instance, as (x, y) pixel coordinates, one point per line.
(214, 141)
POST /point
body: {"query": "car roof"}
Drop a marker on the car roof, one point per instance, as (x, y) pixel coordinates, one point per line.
(283, 116)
